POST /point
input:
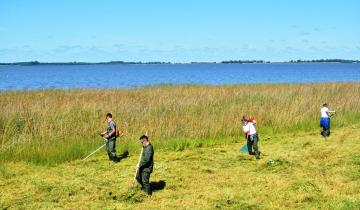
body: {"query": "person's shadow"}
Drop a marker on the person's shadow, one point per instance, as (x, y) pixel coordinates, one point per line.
(125, 154)
(155, 186)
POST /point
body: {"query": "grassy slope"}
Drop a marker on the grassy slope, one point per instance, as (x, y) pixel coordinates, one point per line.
(297, 171)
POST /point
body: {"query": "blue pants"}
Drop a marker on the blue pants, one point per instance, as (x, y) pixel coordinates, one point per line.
(325, 124)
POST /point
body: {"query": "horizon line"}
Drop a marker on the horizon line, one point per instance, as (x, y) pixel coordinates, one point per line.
(232, 61)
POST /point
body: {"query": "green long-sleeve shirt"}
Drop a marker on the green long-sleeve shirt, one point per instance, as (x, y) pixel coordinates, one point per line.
(147, 159)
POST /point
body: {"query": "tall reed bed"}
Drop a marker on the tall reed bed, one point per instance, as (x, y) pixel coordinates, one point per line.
(52, 126)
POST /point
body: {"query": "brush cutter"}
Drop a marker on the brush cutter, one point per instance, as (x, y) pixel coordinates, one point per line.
(244, 149)
(105, 140)
(137, 169)
(332, 113)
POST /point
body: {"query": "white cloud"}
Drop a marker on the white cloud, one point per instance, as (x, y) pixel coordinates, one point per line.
(305, 41)
(177, 53)
(305, 33)
(66, 48)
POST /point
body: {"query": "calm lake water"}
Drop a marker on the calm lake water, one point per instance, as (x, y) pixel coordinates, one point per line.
(129, 76)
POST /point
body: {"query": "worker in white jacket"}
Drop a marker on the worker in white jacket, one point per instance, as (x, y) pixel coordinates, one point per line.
(251, 137)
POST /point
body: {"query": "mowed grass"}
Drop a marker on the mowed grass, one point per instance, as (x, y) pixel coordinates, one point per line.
(49, 127)
(297, 171)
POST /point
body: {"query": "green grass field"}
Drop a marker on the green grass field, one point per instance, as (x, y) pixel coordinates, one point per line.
(197, 136)
(298, 171)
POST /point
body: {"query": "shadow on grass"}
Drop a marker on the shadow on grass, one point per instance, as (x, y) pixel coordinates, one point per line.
(156, 186)
(124, 155)
(136, 196)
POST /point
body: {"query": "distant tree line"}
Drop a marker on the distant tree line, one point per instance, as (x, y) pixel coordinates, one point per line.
(32, 63)
(244, 61)
(325, 61)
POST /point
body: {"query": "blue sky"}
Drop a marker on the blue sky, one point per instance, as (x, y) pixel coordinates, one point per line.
(178, 30)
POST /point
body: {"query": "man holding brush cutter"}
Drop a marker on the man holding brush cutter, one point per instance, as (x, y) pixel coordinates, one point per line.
(110, 135)
(325, 120)
(146, 163)
(251, 136)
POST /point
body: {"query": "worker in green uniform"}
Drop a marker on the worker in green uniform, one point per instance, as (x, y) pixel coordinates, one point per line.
(110, 136)
(146, 164)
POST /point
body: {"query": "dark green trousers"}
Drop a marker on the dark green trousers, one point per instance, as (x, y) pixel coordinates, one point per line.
(252, 143)
(110, 148)
(143, 177)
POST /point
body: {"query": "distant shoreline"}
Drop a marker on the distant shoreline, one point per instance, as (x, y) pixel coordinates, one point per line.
(35, 63)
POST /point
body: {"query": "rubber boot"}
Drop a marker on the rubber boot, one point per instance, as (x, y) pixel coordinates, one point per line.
(110, 156)
(115, 159)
